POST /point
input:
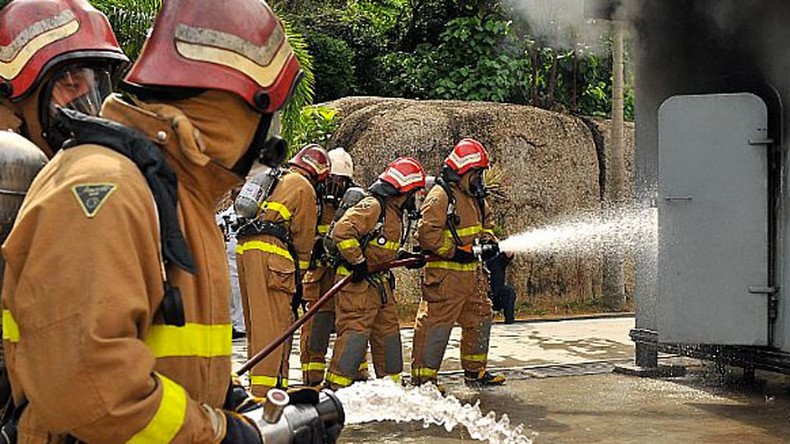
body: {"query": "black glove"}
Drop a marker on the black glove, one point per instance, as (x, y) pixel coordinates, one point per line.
(359, 271)
(238, 399)
(463, 256)
(240, 430)
(318, 254)
(420, 259)
(303, 395)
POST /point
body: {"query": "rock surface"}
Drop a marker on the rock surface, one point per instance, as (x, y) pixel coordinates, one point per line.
(549, 161)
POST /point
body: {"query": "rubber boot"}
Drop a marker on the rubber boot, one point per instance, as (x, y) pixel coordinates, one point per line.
(482, 378)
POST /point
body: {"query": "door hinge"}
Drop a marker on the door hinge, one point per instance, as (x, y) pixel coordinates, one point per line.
(762, 290)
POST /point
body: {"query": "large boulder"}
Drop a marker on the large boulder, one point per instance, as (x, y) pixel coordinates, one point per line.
(549, 162)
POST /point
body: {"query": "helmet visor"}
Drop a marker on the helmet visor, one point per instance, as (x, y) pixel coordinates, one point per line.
(82, 89)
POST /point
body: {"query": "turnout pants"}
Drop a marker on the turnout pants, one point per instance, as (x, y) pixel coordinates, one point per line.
(266, 278)
(450, 297)
(365, 316)
(315, 332)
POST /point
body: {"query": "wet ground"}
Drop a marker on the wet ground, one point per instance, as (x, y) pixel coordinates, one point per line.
(612, 408)
(560, 386)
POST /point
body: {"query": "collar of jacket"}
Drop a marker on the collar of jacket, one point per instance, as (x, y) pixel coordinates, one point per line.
(207, 180)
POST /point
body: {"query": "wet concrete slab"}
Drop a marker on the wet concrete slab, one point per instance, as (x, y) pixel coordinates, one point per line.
(561, 386)
(519, 345)
(612, 408)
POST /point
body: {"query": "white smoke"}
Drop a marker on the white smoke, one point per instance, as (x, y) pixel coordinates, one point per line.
(562, 24)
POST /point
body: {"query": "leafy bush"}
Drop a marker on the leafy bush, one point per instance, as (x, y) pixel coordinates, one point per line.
(315, 125)
(334, 60)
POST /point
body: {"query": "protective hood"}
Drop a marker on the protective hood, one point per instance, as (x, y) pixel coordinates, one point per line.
(213, 126)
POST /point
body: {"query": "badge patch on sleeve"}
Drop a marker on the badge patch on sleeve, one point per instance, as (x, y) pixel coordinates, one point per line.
(91, 196)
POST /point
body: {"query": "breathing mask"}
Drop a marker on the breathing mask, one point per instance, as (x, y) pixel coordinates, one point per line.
(76, 87)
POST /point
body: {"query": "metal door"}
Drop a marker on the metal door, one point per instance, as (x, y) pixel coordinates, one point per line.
(713, 220)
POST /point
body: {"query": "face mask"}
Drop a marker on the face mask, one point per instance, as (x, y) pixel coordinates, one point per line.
(477, 186)
(78, 88)
(409, 207)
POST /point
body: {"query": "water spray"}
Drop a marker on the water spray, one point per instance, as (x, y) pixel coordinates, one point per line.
(425, 403)
(588, 234)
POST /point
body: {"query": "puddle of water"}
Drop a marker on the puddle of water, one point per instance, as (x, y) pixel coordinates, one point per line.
(384, 400)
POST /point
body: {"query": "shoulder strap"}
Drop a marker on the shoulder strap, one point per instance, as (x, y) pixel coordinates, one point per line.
(452, 217)
(150, 159)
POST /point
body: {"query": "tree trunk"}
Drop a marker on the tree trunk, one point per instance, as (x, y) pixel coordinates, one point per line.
(552, 82)
(613, 281)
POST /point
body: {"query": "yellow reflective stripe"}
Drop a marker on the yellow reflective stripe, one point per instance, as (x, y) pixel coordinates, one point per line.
(342, 381)
(424, 372)
(348, 243)
(395, 378)
(476, 358)
(304, 265)
(342, 271)
(468, 231)
(363, 366)
(268, 381)
(452, 266)
(285, 213)
(10, 327)
(202, 340)
(313, 366)
(263, 246)
(323, 229)
(447, 243)
(488, 231)
(394, 246)
(169, 417)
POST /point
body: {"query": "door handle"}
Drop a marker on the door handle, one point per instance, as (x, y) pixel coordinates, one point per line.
(678, 198)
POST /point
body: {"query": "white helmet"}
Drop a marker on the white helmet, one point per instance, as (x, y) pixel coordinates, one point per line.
(342, 165)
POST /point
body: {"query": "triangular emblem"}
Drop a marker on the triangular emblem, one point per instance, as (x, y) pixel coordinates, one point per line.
(92, 196)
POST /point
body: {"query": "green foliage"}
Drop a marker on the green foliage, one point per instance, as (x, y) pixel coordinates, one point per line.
(131, 20)
(316, 125)
(427, 49)
(303, 94)
(334, 59)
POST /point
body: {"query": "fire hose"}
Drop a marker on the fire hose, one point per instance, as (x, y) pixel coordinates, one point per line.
(331, 293)
(322, 420)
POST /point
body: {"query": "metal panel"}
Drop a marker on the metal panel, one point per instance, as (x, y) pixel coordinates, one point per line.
(713, 220)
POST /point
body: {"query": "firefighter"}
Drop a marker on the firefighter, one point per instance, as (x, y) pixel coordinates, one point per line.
(368, 235)
(72, 70)
(321, 276)
(272, 251)
(72, 61)
(117, 324)
(454, 216)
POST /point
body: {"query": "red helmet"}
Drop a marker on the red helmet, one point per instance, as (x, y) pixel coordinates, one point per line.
(313, 159)
(36, 35)
(405, 174)
(237, 46)
(467, 154)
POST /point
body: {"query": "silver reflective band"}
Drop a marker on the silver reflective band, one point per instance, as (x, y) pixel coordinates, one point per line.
(13, 192)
